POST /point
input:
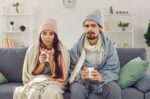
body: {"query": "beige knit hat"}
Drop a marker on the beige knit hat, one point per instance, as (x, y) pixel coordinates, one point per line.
(48, 24)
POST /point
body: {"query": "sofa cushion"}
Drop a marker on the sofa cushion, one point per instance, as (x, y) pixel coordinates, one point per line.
(132, 72)
(147, 95)
(11, 63)
(2, 79)
(144, 83)
(6, 90)
(131, 93)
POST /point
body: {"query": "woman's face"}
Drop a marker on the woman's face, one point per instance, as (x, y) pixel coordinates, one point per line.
(47, 37)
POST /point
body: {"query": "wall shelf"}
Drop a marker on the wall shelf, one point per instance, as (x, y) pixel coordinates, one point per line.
(13, 32)
(118, 15)
(115, 33)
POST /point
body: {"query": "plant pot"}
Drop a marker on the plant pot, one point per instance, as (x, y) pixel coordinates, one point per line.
(124, 28)
(22, 28)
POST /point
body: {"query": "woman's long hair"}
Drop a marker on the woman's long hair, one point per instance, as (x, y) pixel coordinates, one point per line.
(57, 51)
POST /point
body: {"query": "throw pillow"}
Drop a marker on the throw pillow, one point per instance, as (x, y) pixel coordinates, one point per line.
(131, 72)
(2, 79)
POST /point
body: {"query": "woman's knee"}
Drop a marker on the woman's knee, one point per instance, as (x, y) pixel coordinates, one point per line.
(33, 94)
(53, 89)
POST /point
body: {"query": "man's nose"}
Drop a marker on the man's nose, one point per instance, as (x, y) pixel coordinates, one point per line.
(89, 28)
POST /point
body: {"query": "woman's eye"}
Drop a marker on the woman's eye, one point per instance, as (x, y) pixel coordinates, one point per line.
(51, 33)
(44, 33)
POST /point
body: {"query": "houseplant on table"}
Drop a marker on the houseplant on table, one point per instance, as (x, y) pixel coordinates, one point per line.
(123, 25)
(16, 5)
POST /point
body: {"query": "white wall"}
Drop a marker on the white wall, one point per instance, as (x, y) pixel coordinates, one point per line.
(70, 20)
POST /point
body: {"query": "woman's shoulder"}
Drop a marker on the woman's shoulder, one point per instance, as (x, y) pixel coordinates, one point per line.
(62, 47)
(33, 47)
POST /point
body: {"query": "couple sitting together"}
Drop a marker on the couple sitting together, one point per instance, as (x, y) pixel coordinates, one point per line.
(90, 69)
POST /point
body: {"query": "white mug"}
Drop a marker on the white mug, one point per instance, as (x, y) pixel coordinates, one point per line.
(90, 69)
(47, 56)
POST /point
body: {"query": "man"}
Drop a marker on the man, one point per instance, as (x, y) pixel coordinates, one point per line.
(95, 50)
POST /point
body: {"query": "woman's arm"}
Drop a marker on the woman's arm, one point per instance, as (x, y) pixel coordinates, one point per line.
(39, 69)
(63, 69)
(62, 65)
(51, 63)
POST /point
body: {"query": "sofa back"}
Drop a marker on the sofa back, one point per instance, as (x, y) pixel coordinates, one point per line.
(11, 63)
(11, 60)
(127, 54)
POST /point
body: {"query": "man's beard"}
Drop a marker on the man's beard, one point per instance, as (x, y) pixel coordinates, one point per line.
(91, 36)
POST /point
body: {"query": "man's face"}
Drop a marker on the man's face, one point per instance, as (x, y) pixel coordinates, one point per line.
(91, 29)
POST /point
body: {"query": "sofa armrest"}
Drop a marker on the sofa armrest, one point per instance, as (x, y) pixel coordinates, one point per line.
(144, 83)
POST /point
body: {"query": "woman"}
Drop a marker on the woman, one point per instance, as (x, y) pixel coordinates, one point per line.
(45, 67)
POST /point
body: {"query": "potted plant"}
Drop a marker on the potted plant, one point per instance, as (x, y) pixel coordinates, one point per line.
(123, 25)
(147, 35)
(16, 5)
(22, 28)
(11, 25)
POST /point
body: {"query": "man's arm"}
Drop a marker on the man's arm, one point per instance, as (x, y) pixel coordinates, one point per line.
(111, 67)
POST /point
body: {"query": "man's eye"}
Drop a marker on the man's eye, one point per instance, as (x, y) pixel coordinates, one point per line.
(86, 26)
(93, 25)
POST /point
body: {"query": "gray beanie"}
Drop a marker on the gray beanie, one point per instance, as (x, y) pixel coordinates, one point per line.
(96, 16)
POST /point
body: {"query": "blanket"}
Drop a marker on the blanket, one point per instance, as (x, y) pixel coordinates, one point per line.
(40, 85)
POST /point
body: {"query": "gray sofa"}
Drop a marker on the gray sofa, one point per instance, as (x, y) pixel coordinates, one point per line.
(11, 62)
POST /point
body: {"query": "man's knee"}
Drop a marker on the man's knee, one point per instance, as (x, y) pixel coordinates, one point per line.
(78, 91)
(95, 96)
(77, 87)
(112, 88)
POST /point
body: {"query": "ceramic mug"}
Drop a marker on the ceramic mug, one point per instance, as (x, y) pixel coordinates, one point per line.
(90, 69)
